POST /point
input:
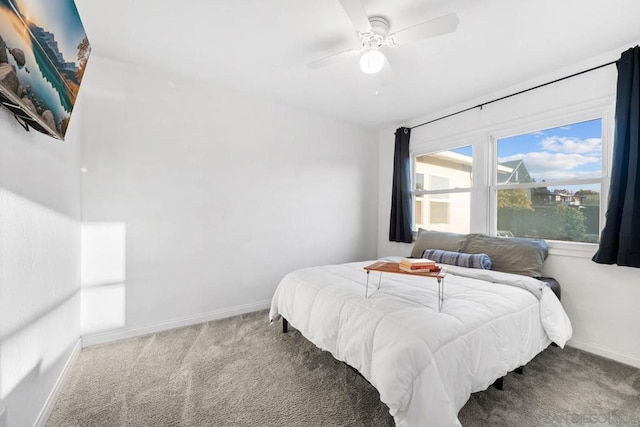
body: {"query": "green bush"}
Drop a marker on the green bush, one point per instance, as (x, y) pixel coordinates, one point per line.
(559, 222)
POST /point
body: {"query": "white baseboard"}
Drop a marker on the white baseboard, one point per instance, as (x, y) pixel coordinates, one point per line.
(618, 357)
(119, 334)
(43, 417)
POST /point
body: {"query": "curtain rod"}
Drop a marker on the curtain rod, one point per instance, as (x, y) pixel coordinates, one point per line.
(514, 94)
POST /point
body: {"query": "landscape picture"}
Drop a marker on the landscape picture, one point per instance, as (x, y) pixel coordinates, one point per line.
(43, 55)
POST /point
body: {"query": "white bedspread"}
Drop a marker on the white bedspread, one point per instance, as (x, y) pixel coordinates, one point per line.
(425, 364)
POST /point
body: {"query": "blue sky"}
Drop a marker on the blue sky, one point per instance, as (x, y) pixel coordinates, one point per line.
(561, 153)
(565, 152)
(467, 151)
(59, 17)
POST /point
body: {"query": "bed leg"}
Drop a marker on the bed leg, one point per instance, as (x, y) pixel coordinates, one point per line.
(520, 370)
(285, 326)
(499, 383)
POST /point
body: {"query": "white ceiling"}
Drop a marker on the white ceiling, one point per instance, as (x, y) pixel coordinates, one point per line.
(261, 47)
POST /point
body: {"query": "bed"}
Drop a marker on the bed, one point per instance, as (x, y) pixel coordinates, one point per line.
(424, 363)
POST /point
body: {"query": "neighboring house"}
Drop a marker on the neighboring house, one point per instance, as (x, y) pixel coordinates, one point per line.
(444, 211)
(544, 197)
(512, 172)
(448, 170)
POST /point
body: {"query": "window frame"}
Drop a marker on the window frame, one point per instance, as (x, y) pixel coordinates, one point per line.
(603, 113)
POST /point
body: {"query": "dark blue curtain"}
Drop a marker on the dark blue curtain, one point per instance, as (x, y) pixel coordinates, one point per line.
(400, 225)
(620, 240)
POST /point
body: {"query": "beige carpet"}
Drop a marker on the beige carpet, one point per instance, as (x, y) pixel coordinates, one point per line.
(242, 372)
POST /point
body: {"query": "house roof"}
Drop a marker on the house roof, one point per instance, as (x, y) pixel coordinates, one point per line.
(513, 171)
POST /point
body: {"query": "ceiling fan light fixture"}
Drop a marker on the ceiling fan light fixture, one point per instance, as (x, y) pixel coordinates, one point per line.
(372, 61)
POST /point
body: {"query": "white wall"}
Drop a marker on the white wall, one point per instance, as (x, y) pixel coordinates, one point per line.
(600, 300)
(39, 264)
(220, 194)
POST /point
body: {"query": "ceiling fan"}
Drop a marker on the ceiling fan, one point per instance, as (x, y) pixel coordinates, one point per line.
(374, 35)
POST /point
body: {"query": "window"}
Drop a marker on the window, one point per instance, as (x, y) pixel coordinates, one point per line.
(441, 188)
(548, 183)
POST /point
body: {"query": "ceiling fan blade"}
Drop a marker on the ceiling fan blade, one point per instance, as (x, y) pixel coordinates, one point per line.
(355, 11)
(331, 59)
(443, 25)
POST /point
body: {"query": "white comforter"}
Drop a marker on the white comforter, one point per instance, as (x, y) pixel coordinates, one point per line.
(425, 364)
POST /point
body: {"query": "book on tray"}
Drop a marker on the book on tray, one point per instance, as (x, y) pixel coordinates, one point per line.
(417, 265)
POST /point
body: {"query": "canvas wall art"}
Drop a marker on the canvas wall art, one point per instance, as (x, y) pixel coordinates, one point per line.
(43, 55)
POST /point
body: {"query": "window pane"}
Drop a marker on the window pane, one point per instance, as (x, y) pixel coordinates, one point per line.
(570, 213)
(445, 169)
(435, 213)
(439, 212)
(566, 152)
(440, 183)
(419, 181)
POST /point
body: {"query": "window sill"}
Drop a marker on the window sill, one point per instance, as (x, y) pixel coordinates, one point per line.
(572, 249)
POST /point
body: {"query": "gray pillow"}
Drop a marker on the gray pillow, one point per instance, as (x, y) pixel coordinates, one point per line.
(436, 240)
(515, 255)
